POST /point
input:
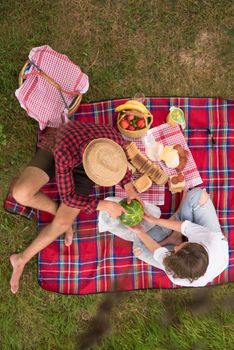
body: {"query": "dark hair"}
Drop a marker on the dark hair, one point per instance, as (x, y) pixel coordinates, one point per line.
(189, 262)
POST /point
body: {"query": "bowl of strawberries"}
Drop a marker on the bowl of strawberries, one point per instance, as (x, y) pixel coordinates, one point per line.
(134, 119)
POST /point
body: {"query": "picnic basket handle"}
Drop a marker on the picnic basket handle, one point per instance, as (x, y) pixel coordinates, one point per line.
(49, 79)
(150, 118)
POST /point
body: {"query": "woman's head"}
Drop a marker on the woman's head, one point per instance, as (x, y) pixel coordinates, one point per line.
(189, 260)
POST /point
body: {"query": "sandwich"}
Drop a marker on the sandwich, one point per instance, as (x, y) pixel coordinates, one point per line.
(142, 183)
(176, 183)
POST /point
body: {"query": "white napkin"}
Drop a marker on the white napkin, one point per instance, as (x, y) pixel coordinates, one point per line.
(107, 223)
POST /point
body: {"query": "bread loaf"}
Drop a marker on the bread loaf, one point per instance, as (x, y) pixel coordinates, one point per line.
(144, 165)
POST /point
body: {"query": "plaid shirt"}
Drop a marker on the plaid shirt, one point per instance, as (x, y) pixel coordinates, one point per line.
(70, 144)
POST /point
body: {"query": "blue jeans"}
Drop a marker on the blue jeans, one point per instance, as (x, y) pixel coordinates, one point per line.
(203, 215)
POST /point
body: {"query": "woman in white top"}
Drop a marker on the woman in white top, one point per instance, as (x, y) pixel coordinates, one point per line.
(190, 247)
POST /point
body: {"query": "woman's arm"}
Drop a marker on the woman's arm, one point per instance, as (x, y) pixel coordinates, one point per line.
(150, 243)
(170, 224)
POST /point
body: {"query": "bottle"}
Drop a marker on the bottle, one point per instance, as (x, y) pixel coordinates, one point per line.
(140, 97)
(176, 116)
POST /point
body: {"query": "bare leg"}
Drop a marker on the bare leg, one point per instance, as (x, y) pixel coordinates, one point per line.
(61, 223)
(26, 190)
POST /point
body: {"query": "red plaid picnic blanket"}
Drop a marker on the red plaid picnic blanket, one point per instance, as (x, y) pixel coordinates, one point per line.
(38, 97)
(167, 136)
(99, 262)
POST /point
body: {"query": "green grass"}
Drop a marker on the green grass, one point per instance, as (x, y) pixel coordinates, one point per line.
(172, 48)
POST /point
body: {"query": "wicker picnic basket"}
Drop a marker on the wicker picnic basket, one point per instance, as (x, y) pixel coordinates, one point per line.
(136, 133)
(74, 104)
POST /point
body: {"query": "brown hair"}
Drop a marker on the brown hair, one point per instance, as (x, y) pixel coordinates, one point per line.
(189, 262)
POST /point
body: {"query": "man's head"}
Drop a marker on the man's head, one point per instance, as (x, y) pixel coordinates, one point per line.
(105, 162)
(189, 260)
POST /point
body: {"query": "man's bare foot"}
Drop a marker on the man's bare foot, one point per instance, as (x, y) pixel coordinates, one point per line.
(18, 267)
(69, 236)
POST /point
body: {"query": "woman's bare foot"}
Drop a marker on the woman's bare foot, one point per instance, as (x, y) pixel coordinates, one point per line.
(18, 268)
(137, 251)
(174, 238)
(69, 236)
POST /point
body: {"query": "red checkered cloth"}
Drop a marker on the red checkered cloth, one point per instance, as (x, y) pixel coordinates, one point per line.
(98, 262)
(166, 135)
(38, 97)
(13, 207)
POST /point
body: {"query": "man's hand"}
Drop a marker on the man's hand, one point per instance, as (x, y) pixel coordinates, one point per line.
(113, 208)
(132, 194)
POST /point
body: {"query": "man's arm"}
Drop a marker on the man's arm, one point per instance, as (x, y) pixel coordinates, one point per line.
(131, 193)
(66, 186)
(113, 208)
(68, 192)
(126, 179)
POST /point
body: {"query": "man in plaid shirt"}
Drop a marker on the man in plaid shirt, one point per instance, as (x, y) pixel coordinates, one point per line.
(60, 153)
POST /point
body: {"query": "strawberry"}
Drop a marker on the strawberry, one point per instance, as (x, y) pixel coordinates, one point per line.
(140, 123)
(131, 128)
(130, 117)
(124, 124)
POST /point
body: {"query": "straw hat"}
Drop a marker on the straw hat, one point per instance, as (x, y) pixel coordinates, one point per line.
(104, 162)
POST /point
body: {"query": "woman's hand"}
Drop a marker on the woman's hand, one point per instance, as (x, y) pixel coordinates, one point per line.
(113, 208)
(150, 243)
(132, 194)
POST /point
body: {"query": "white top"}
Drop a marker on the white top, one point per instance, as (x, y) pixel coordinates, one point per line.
(214, 242)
